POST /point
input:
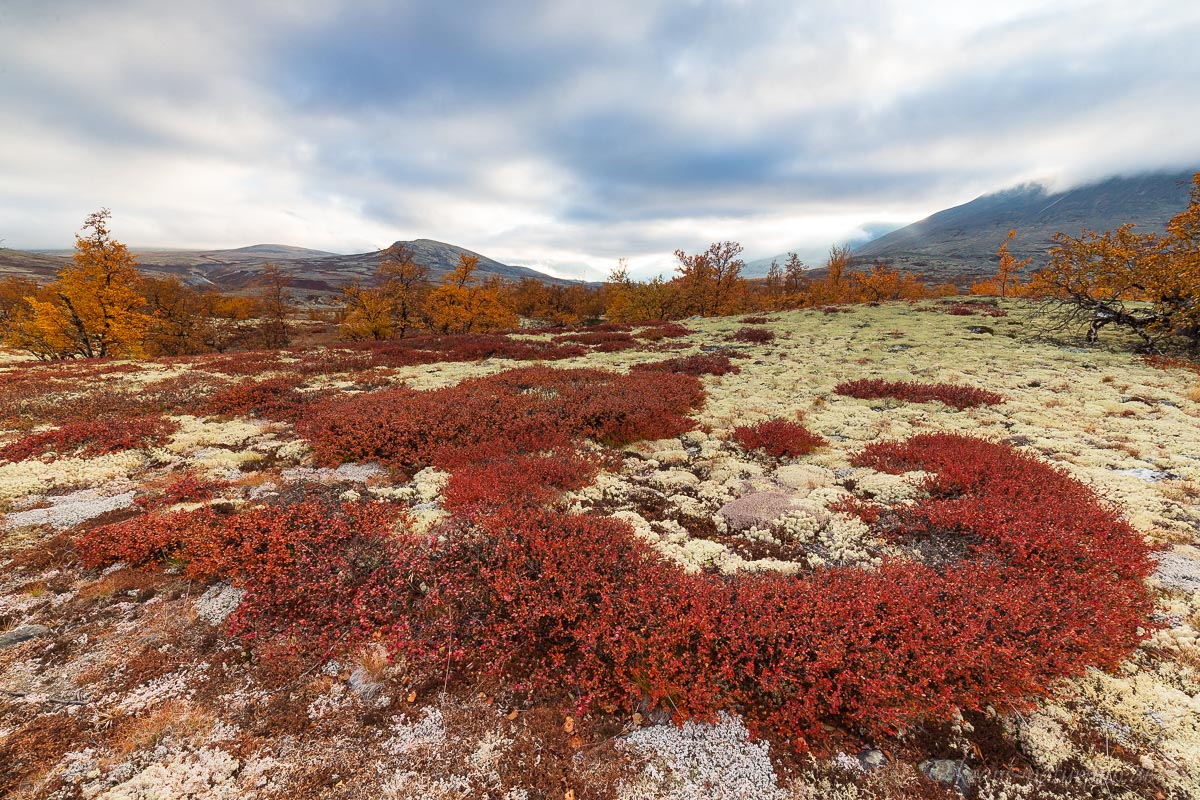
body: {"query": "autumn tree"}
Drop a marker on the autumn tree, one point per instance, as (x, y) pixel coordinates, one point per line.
(882, 282)
(627, 300)
(366, 313)
(1148, 284)
(834, 285)
(1006, 282)
(274, 306)
(179, 323)
(404, 285)
(94, 308)
(711, 282)
(462, 305)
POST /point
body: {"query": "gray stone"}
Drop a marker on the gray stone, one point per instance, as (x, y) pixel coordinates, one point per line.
(954, 774)
(872, 759)
(22, 634)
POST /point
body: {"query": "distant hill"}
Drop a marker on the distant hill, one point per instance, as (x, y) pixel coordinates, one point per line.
(314, 272)
(962, 241)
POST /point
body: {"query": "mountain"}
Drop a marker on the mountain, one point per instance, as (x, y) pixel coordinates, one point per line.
(814, 257)
(314, 273)
(961, 242)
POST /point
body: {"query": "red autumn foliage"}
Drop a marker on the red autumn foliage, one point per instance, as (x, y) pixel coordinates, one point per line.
(274, 398)
(465, 347)
(508, 481)
(306, 567)
(188, 488)
(91, 438)
(521, 411)
(657, 331)
(959, 397)
(968, 308)
(699, 364)
(778, 438)
(753, 335)
(577, 607)
(545, 602)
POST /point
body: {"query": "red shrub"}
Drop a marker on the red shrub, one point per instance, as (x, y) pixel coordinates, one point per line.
(657, 331)
(274, 398)
(464, 347)
(147, 539)
(1052, 583)
(508, 481)
(753, 335)
(306, 568)
(759, 320)
(521, 411)
(699, 364)
(250, 362)
(576, 607)
(90, 439)
(959, 397)
(185, 489)
(968, 308)
(778, 438)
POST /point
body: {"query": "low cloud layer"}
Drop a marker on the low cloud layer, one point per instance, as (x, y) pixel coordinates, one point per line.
(568, 134)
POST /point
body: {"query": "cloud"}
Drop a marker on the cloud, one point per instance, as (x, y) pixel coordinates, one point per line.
(567, 134)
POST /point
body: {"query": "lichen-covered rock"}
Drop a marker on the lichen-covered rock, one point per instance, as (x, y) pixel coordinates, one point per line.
(756, 509)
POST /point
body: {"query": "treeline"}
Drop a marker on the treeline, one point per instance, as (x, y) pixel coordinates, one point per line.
(101, 305)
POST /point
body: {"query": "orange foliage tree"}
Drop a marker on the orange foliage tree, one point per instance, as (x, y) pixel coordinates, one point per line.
(94, 308)
(1146, 283)
(462, 305)
(1006, 282)
(711, 282)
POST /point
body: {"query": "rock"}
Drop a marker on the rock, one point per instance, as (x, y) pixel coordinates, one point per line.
(1177, 571)
(872, 759)
(22, 634)
(1148, 475)
(954, 774)
(756, 508)
(216, 604)
(984, 329)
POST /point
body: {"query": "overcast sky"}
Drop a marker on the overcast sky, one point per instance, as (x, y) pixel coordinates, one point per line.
(562, 134)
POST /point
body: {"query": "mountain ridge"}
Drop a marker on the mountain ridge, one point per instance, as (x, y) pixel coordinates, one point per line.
(313, 272)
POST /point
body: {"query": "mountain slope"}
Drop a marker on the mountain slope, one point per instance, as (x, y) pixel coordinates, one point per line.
(313, 272)
(963, 240)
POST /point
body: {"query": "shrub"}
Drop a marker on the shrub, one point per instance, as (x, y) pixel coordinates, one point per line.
(778, 438)
(578, 608)
(464, 347)
(753, 335)
(657, 331)
(1052, 582)
(188, 488)
(307, 568)
(273, 398)
(959, 397)
(696, 365)
(520, 411)
(506, 481)
(91, 438)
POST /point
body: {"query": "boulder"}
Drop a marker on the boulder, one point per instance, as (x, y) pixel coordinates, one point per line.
(22, 634)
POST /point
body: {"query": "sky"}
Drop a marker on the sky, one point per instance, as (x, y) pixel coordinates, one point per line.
(566, 135)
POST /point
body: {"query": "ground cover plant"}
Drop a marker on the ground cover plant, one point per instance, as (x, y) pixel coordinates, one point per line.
(537, 567)
(917, 392)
